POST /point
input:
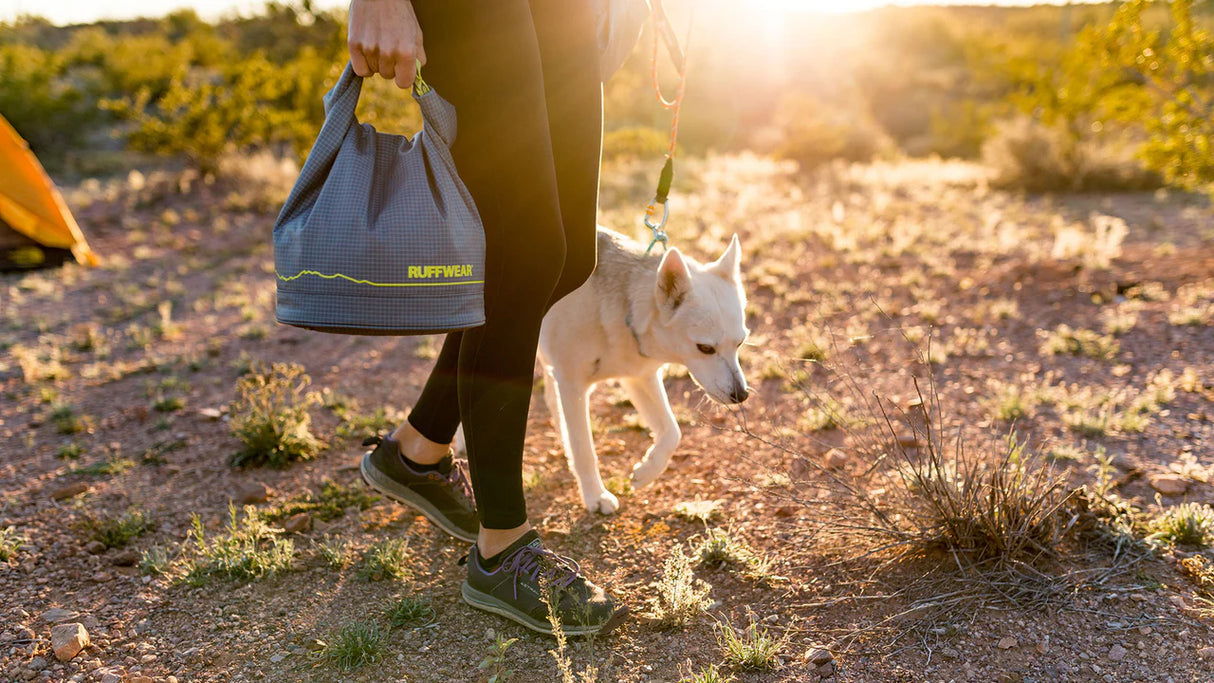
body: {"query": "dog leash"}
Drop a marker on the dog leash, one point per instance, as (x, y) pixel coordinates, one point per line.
(658, 211)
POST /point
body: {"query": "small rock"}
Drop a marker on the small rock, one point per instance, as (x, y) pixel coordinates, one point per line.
(819, 656)
(949, 652)
(94, 547)
(111, 677)
(56, 615)
(102, 577)
(826, 670)
(38, 664)
(69, 491)
(279, 656)
(125, 558)
(1206, 653)
(1043, 646)
(1179, 602)
(67, 640)
(298, 523)
(1117, 653)
(211, 413)
(835, 459)
(1007, 642)
(252, 492)
(1169, 484)
(315, 645)
(142, 679)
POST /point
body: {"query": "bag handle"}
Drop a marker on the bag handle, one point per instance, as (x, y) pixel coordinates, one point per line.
(341, 102)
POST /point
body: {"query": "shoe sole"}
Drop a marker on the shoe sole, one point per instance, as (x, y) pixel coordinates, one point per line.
(488, 603)
(403, 494)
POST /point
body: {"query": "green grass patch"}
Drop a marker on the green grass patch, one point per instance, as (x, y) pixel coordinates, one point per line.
(107, 467)
(751, 648)
(410, 611)
(357, 644)
(248, 548)
(385, 560)
(117, 532)
(1189, 524)
(1080, 342)
(10, 543)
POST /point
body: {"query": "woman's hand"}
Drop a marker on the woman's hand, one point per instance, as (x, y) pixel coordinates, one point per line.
(385, 39)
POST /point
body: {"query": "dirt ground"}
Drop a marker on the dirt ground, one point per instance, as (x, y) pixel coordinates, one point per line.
(108, 387)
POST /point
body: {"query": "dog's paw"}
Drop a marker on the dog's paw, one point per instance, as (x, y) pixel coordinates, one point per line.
(644, 474)
(604, 503)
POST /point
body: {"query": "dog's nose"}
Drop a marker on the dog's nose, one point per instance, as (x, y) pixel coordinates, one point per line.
(739, 394)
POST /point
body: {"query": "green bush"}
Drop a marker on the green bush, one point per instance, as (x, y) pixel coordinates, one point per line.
(814, 135)
(635, 142)
(270, 415)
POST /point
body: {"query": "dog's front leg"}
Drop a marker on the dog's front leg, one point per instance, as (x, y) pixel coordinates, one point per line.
(649, 397)
(573, 397)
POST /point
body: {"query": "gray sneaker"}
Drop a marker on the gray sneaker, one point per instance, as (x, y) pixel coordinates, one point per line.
(444, 495)
(516, 590)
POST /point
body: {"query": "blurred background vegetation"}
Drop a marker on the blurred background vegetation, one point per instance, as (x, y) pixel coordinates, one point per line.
(1112, 96)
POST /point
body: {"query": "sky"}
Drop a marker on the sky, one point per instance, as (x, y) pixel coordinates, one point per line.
(84, 11)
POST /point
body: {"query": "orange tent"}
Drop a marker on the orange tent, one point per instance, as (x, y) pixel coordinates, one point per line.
(32, 212)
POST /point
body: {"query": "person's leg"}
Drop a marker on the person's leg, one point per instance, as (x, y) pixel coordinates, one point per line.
(574, 99)
(425, 436)
(484, 58)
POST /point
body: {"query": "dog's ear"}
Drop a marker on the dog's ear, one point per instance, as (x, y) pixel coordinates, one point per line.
(674, 281)
(730, 264)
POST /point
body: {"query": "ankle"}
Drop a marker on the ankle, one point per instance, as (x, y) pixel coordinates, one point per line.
(490, 542)
(418, 448)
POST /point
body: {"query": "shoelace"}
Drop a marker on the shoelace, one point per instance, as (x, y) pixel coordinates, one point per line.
(560, 571)
(459, 479)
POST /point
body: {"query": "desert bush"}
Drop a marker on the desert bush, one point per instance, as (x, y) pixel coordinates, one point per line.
(270, 416)
(10, 542)
(814, 136)
(42, 103)
(1026, 154)
(205, 114)
(634, 142)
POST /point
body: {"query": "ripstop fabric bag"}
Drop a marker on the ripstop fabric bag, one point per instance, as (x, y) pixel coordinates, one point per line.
(379, 235)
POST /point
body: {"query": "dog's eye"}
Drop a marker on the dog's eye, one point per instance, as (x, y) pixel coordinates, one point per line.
(706, 349)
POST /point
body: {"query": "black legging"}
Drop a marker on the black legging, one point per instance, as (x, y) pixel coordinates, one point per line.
(524, 79)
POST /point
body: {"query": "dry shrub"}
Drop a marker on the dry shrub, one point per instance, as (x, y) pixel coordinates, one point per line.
(1025, 154)
(270, 415)
(635, 142)
(814, 136)
(980, 506)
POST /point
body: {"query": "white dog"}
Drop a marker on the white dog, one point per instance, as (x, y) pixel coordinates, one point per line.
(634, 315)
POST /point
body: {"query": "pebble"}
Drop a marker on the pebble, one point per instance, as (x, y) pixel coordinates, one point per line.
(69, 491)
(835, 459)
(94, 547)
(67, 640)
(125, 558)
(1169, 484)
(142, 679)
(1206, 653)
(1007, 642)
(819, 656)
(211, 413)
(38, 664)
(1117, 653)
(298, 523)
(251, 492)
(57, 615)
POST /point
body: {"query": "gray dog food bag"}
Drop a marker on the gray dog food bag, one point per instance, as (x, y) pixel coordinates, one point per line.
(379, 235)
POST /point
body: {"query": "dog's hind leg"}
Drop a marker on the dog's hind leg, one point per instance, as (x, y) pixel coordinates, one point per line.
(574, 417)
(649, 397)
